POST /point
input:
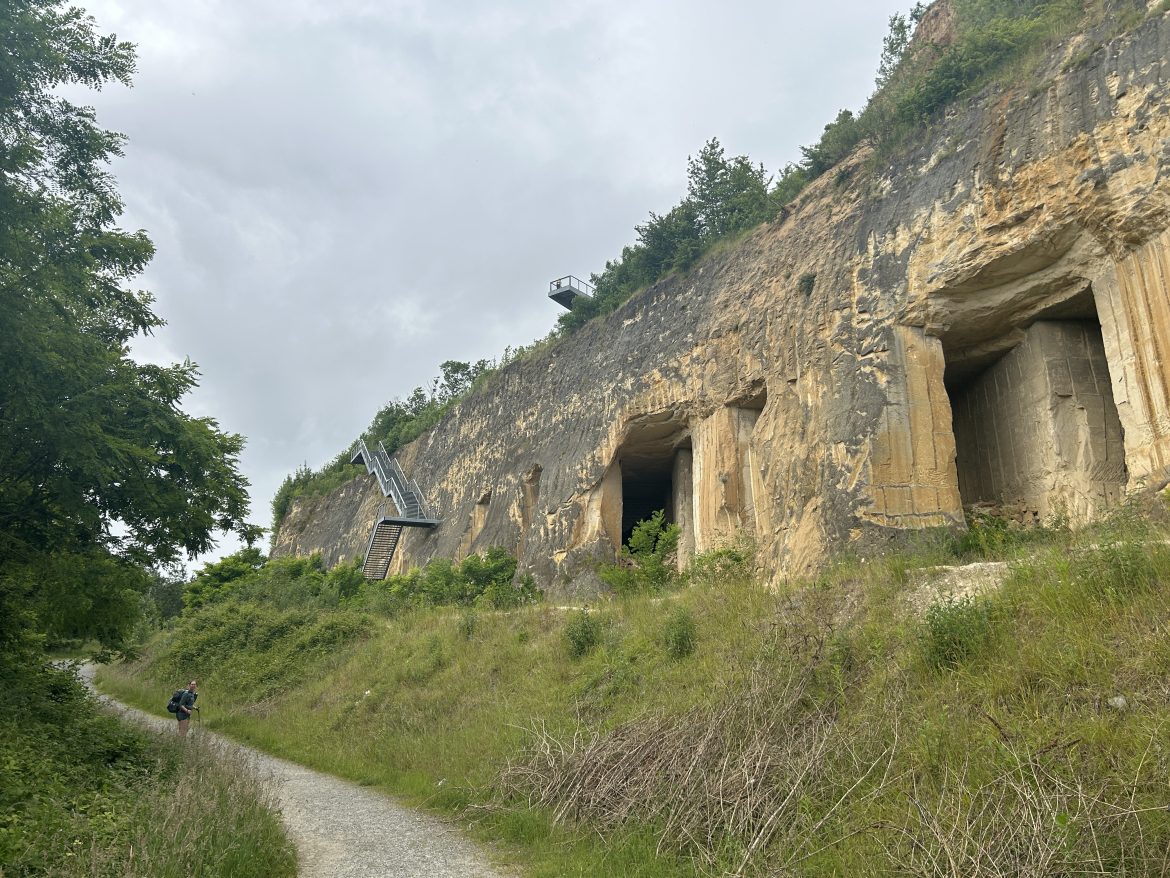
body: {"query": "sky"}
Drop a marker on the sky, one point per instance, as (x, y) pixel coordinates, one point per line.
(345, 194)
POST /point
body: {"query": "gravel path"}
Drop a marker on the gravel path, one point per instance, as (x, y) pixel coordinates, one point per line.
(344, 831)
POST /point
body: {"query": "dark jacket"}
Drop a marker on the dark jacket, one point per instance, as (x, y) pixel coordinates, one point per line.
(187, 702)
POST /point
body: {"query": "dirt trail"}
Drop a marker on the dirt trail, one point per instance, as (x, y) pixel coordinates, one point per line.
(342, 830)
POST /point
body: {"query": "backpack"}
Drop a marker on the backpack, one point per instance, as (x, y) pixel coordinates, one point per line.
(173, 704)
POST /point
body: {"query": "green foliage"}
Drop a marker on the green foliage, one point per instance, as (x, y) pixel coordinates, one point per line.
(214, 581)
(806, 283)
(725, 196)
(648, 559)
(582, 633)
(266, 649)
(956, 630)
(728, 196)
(165, 597)
(83, 794)
(723, 565)
(811, 706)
(487, 580)
(894, 46)
(101, 472)
(307, 483)
(679, 636)
(397, 423)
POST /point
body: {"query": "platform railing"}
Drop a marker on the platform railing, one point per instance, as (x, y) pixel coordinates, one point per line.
(570, 282)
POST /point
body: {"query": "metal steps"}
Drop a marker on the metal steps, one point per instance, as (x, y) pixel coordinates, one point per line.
(379, 554)
(407, 499)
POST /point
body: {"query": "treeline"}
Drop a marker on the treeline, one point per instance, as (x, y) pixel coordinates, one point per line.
(726, 196)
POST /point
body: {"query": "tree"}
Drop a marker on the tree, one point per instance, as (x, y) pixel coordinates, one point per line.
(894, 45)
(98, 463)
(729, 195)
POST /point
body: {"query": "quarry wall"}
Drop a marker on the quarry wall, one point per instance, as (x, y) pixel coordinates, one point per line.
(995, 300)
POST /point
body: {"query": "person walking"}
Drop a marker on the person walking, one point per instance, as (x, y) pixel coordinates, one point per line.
(186, 706)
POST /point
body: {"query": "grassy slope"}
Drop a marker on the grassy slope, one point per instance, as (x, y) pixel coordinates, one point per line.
(84, 794)
(823, 730)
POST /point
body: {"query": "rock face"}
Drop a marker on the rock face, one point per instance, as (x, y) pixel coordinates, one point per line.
(989, 323)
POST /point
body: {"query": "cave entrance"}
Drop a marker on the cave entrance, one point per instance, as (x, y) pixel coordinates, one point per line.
(647, 486)
(1037, 434)
(655, 463)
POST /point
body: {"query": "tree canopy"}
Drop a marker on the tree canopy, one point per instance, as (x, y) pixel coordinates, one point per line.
(100, 469)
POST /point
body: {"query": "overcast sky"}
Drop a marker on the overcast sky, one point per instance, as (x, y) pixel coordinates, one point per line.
(345, 194)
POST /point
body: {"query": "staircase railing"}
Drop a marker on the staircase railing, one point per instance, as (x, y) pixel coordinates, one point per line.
(393, 481)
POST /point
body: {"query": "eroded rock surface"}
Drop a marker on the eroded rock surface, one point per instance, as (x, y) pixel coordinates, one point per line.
(735, 400)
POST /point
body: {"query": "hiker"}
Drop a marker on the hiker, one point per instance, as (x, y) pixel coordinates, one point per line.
(185, 706)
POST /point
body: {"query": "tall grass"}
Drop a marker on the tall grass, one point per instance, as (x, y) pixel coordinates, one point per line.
(82, 794)
(822, 729)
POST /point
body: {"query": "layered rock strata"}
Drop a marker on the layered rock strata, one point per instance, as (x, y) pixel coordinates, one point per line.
(818, 385)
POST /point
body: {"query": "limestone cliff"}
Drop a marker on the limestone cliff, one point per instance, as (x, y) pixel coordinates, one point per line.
(989, 323)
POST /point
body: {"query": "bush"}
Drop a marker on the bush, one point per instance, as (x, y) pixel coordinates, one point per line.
(582, 633)
(731, 563)
(486, 580)
(955, 630)
(679, 636)
(648, 561)
(265, 648)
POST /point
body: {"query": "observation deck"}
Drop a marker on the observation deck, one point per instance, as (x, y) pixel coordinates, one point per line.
(566, 290)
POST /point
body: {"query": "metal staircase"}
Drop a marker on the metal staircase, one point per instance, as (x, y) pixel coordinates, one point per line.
(407, 499)
(383, 542)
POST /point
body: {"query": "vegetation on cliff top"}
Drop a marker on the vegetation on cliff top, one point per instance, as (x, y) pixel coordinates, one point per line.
(727, 196)
(824, 728)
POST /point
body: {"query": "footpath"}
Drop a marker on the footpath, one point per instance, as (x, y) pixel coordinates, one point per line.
(341, 830)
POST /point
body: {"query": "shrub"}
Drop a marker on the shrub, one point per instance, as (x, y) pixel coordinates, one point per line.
(648, 559)
(582, 633)
(730, 563)
(679, 636)
(955, 630)
(467, 624)
(478, 580)
(82, 793)
(807, 282)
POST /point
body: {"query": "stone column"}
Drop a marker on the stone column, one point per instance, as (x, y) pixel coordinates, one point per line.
(1133, 303)
(725, 482)
(682, 502)
(913, 480)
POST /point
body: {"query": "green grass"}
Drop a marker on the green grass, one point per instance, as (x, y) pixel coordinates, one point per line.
(83, 794)
(823, 729)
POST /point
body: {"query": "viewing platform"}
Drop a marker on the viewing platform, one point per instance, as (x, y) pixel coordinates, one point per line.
(566, 290)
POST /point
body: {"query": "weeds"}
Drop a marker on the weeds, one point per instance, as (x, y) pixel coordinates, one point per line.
(1038, 816)
(648, 562)
(955, 631)
(819, 729)
(679, 635)
(81, 794)
(582, 633)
